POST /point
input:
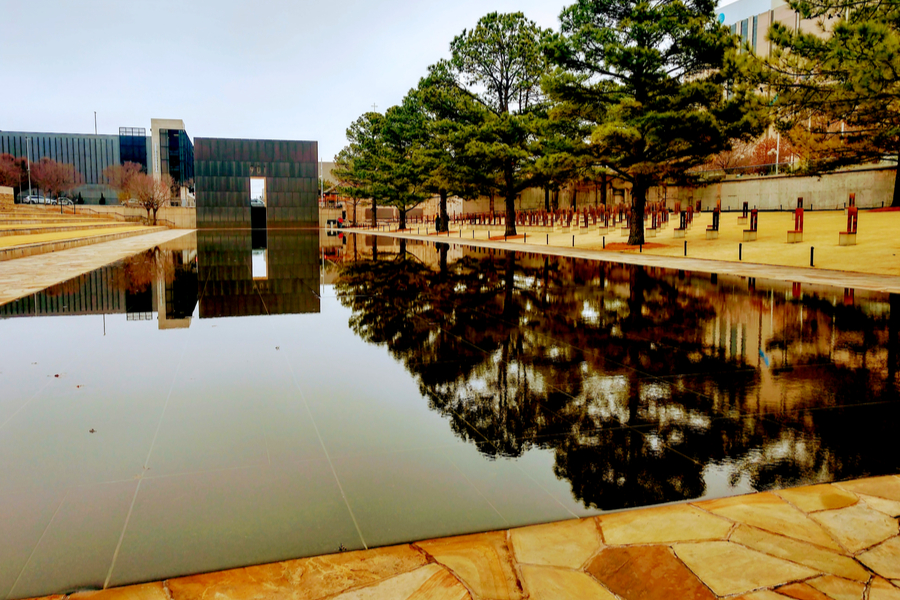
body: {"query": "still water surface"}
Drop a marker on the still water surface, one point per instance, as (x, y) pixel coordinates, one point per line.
(229, 399)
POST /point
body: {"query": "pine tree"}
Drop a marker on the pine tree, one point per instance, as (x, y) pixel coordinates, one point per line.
(650, 77)
(838, 92)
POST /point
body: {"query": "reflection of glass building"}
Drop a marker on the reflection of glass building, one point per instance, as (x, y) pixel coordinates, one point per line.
(159, 283)
(236, 284)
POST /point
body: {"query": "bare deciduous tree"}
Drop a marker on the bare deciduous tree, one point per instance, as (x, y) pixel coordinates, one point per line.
(151, 193)
(120, 178)
(54, 177)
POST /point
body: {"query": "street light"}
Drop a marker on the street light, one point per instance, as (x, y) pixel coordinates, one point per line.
(28, 164)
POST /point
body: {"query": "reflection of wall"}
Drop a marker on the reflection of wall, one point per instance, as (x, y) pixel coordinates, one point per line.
(225, 268)
(223, 168)
(163, 282)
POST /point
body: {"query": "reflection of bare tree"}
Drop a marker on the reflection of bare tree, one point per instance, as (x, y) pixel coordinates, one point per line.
(142, 269)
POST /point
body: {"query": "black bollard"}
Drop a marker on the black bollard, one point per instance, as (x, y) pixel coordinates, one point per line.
(573, 241)
(685, 248)
(740, 251)
(812, 254)
(604, 242)
(641, 249)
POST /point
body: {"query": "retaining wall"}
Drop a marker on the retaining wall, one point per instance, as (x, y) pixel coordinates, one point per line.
(873, 187)
(7, 200)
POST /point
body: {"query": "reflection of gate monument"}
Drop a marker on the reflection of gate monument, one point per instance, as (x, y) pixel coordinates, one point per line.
(234, 285)
(222, 172)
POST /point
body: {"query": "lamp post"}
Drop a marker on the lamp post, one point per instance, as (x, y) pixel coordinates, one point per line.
(28, 164)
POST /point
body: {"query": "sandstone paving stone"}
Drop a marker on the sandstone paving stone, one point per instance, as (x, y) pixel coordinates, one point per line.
(818, 497)
(802, 591)
(760, 595)
(884, 558)
(431, 581)
(482, 561)
(729, 568)
(563, 544)
(549, 583)
(857, 527)
(768, 511)
(880, 589)
(303, 579)
(646, 573)
(799, 552)
(146, 591)
(838, 588)
(889, 507)
(662, 525)
(882, 487)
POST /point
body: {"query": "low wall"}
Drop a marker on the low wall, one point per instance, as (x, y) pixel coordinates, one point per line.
(179, 217)
(873, 186)
(7, 200)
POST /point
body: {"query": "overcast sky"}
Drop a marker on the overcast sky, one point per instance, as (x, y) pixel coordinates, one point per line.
(282, 69)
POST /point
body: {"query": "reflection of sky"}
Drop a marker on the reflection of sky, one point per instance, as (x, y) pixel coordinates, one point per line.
(259, 264)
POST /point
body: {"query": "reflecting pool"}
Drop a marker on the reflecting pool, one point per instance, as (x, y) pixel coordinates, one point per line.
(232, 398)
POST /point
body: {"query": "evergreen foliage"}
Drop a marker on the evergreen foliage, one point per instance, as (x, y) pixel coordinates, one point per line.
(649, 77)
(837, 91)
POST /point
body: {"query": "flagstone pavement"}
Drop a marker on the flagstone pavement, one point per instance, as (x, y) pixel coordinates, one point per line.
(832, 541)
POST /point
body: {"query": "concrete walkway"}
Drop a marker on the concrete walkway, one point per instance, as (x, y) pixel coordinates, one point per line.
(825, 542)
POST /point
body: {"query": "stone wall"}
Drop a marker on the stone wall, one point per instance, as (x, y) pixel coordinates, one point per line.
(178, 217)
(873, 187)
(7, 200)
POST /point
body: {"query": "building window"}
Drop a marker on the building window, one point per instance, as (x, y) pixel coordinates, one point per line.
(755, 30)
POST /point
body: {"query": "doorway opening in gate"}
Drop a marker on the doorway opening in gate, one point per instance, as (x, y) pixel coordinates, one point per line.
(258, 234)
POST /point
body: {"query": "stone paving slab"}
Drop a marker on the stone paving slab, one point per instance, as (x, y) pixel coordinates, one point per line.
(24, 276)
(632, 555)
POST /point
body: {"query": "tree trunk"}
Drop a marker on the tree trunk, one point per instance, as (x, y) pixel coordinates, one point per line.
(374, 213)
(638, 202)
(402, 247)
(574, 197)
(354, 213)
(402, 219)
(445, 218)
(510, 202)
(603, 185)
(547, 199)
(895, 201)
(554, 205)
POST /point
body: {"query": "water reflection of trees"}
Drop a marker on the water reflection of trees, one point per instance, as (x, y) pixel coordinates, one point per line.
(611, 368)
